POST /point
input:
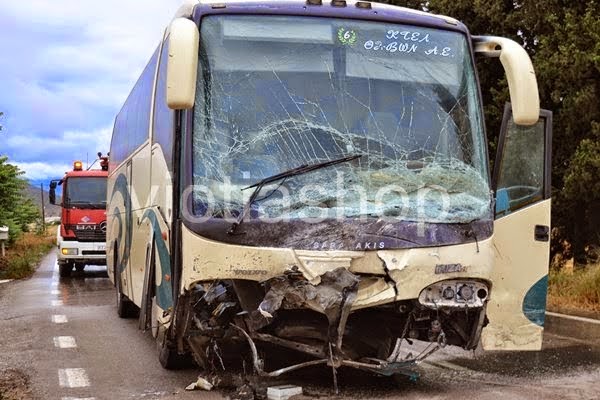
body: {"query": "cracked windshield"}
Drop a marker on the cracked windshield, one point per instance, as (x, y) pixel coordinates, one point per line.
(289, 93)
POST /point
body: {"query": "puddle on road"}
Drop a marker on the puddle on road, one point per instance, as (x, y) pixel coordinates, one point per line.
(85, 288)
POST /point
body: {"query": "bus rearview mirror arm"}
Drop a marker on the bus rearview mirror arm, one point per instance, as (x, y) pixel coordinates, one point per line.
(522, 83)
(182, 66)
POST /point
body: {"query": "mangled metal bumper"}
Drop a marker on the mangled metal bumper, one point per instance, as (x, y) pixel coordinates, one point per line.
(333, 297)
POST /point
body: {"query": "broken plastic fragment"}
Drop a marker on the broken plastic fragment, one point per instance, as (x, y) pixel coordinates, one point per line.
(200, 384)
(264, 313)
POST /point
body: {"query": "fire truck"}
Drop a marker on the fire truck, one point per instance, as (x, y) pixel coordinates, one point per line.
(81, 239)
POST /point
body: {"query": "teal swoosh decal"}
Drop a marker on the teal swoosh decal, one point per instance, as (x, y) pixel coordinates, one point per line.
(117, 216)
(164, 292)
(534, 303)
(121, 186)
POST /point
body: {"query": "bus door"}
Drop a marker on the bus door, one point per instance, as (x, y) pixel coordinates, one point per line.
(521, 180)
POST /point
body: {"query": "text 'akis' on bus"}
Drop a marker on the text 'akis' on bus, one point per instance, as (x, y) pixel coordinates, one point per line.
(313, 175)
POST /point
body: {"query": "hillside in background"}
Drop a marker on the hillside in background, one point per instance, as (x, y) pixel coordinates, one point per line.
(34, 193)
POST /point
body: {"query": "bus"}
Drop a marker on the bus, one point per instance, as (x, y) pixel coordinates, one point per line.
(314, 176)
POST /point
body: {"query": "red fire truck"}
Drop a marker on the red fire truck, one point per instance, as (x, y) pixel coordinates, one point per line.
(81, 238)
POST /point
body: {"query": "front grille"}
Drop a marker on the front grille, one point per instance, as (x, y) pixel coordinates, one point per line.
(93, 253)
(90, 236)
(88, 232)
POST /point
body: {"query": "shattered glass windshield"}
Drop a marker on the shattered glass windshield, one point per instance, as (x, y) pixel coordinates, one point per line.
(278, 92)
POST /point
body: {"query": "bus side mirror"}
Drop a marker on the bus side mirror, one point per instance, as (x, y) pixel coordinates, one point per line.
(520, 75)
(182, 65)
(52, 192)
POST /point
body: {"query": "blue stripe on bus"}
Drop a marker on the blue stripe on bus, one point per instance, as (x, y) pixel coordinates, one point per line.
(121, 186)
(164, 292)
(534, 303)
(117, 216)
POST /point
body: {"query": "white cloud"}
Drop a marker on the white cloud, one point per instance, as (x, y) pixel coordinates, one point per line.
(66, 68)
(82, 146)
(69, 146)
(42, 170)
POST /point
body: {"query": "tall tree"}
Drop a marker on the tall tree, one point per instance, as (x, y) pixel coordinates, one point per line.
(563, 39)
(16, 210)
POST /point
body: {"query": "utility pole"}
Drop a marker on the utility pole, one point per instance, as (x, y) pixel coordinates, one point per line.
(43, 209)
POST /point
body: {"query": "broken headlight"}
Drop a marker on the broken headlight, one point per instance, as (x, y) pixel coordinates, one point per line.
(455, 293)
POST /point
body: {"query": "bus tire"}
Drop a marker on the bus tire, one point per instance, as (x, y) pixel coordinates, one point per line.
(125, 307)
(168, 356)
(64, 269)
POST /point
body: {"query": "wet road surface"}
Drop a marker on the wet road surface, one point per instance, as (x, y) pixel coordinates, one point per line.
(65, 334)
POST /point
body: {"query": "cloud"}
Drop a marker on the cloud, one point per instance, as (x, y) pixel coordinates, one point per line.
(38, 171)
(65, 70)
(71, 146)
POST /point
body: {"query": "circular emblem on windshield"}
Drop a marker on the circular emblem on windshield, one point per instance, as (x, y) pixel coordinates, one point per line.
(103, 227)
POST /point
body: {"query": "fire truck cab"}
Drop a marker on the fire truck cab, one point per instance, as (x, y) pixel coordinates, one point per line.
(81, 239)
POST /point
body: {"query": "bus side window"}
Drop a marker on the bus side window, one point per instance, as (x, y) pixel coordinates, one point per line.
(522, 168)
(164, 117)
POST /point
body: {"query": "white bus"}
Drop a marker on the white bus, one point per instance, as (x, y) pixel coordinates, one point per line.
(314, 175)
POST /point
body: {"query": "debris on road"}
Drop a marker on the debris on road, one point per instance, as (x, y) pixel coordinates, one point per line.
(283, 392)
(200, 384)
(244, 392)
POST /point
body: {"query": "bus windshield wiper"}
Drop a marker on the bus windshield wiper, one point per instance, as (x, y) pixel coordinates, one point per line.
(303, 169)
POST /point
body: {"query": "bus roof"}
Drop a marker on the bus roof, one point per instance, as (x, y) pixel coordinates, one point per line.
(374, 11)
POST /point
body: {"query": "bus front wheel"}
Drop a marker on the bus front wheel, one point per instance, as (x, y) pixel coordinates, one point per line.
(168, 356)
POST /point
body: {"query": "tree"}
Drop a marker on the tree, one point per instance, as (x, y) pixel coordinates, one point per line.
(16, 210)
(563, 39)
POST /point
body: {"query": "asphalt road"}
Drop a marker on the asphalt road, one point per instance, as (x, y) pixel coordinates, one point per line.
(65, 335)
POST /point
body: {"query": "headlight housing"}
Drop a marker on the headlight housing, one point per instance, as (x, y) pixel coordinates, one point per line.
(69, 252)
(455, 293)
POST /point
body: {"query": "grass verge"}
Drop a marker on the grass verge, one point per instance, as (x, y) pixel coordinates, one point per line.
(14, 385)
(575, 290)
(23, 256)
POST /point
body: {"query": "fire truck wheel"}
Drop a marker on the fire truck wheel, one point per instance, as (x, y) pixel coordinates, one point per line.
(64, 269)
(125, 307)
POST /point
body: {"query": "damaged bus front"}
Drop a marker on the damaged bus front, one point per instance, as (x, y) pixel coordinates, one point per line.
(325, 188)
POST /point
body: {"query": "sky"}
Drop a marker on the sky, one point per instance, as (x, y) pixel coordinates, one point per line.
(66, 67)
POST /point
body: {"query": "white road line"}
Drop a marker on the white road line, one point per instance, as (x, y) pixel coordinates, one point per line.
(574, 318)
(56, 303)
(73, 378)
(59, 319)
(78, 398)
(567, 338)
(55, 291)
(5, 280)
(65, 342)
